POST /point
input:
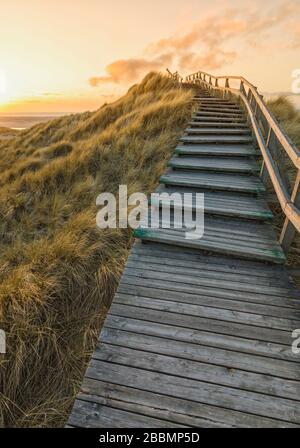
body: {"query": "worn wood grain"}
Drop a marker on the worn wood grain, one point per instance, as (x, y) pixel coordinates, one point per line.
(199, 333)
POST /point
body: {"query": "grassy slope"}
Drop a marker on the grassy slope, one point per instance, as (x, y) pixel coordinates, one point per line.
(6, 133)
(58, 272)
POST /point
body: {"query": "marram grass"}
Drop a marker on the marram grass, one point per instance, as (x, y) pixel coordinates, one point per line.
(58, 272)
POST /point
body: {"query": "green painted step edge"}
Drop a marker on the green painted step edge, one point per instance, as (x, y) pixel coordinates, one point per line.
(215, 139)
(277, 255)
(141, 233)
(250, 170)
(166, 180)
(216, 131)
(268, 216)
(220, 153)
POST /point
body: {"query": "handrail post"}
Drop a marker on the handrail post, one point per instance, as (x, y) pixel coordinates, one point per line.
(264, 174)
(242, 88)
(249, 96)
(288, 230)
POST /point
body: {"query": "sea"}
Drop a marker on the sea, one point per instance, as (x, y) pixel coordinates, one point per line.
(21, 122)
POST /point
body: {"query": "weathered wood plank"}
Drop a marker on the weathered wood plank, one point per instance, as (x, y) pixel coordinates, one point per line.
(211, 118)
(216, 139)
(232, 164)
(220, 109)
(204, 338)
(230, 398)
(214, 181)
(97, 415)
(189, 361)
(217, 130)
(238, 246)
(186, 321)
(177, 409)
(216, 150)
(210, 312)
(214, 262)
(215, 202)
(211, 265)
(210, 291)
(233, 303)
(217, 114)
(190, 277)
(218, 124)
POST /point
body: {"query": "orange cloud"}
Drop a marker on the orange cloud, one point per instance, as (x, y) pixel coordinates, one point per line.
(128, 70)
(210, 35)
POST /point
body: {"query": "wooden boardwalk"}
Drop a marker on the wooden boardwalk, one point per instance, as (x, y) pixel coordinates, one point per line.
(200, 331)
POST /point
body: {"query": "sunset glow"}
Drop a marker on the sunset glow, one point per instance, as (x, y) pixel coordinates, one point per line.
(64, 55)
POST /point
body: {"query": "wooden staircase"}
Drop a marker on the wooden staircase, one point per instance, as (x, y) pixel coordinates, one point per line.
(219, 160)
(199, 331)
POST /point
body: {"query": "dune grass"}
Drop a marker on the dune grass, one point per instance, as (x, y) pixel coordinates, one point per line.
(58, 272)
(289, 118)
(7, 133)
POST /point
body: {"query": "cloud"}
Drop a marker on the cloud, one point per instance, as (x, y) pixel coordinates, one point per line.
(209, 32)
(128, 70)
(209, 60)
(296, 35)
(52, 94)
(205, 44)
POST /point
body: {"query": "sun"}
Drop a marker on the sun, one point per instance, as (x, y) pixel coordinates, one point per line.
(5, 95)
(5, 100)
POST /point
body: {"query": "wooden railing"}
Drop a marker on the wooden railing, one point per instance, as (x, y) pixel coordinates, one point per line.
(175, 76)
(273, 142)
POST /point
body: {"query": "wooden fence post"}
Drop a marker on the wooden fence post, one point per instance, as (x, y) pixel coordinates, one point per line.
(264, 174)
(288, 231)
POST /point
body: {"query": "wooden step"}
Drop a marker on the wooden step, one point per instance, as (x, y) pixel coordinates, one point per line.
(199, 118)
(219, 114)
(214, 181)
(216, 139)
(204, 105)
(218, 124)
(210, 102)
(217, 130)
(218, 103)
(218, 203)
(217, 150)
(243, 239)
(226, 164)
(220, 110)
(204, 97)
(214, 101)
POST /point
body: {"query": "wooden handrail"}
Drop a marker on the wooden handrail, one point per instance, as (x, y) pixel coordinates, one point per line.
(175, 76)
(276, 137)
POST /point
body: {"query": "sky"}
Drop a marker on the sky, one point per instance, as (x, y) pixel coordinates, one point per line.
(75, 55)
